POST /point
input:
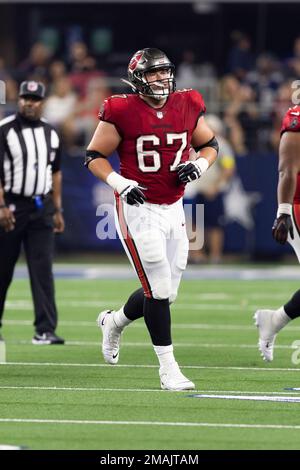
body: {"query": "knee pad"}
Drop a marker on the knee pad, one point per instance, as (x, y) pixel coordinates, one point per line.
(151, 247)
(162, 289)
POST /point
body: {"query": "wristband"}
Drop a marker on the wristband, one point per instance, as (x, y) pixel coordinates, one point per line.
(284, 208)
(117, 182)
(202, 164)
(60, 209)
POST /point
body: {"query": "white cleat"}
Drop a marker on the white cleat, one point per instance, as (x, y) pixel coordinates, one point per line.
(171, 378)
(267, 334)
(111, 336)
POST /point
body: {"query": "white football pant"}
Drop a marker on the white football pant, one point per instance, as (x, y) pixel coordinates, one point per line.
(155, 240)
(296, 226)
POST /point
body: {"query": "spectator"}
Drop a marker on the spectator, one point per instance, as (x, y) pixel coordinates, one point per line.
(293, 63)
(61, 104)
(265, 81)
(80, 124)
(57, 70)
(240, 59)
(83, 68)
(233, 96)
(80, 60)
(281, 103)
(187, 76)
(37, 64)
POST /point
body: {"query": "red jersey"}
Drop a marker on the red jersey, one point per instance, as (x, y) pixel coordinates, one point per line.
(291, 123)
(154, 141)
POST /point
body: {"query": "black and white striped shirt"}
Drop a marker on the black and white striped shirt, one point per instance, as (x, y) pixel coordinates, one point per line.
(29, 155)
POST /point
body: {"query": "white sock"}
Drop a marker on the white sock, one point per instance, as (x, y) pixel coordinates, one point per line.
(165, 355)
(280, 319)
(120, 318)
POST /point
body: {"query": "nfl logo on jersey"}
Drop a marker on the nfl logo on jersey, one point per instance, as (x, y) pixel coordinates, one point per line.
(159, 114)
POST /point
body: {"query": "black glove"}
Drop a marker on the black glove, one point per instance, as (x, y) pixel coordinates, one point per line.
(188, 171)
(282, 226)
(133, 195)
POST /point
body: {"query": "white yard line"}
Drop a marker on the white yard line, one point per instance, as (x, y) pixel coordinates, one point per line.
(148, 366)
(177, 344)
(27, 305)
(25, 296)
(139, 390)
(149, 423)
(281, 399)
(181, 326)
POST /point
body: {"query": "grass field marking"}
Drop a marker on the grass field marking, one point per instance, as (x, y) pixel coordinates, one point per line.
(181, 326)
(283, 399)
(149, 423)
(23, 304)
(25, 296)
(148, 344)
(148, 366)
(177, 344)
(139, 390)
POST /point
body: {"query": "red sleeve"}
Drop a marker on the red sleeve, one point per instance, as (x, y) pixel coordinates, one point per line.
(197, 106)
(106, 112)
(197, 102)
(112, 111)
(291, 121)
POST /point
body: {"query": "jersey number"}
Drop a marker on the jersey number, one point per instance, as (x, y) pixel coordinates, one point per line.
(156, 156)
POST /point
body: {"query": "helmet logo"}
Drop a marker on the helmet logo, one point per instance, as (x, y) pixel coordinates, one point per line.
(134, 61)
(32, 86)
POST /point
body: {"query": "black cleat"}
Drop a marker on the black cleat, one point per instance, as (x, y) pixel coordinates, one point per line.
(47, 338)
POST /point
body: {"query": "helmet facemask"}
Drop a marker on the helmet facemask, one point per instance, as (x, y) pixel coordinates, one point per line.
(157, 89)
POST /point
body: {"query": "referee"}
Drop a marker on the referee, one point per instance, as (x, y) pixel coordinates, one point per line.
(30, 205)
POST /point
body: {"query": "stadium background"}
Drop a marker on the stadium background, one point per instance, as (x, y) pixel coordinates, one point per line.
(67, 398)
(202, 38)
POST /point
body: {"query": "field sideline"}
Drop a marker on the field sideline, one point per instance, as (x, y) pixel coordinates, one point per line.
(65, 397)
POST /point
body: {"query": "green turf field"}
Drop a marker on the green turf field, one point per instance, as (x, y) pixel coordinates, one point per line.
(80, 403)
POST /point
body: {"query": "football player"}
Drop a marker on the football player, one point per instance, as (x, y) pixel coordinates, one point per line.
(286, 228)
(152, 130)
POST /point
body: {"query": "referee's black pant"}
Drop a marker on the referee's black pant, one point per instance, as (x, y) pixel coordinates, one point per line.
(33, 230)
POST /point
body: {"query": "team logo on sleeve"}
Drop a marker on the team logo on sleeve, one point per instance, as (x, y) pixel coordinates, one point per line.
(294, 123)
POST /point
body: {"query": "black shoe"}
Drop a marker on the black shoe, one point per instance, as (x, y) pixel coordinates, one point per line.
(47, 338)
